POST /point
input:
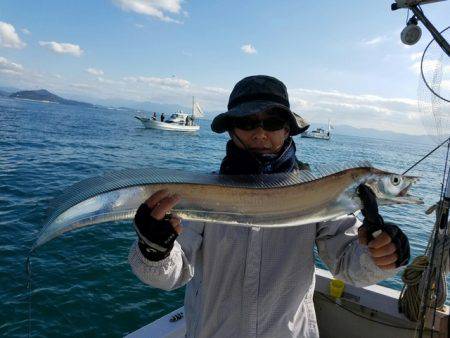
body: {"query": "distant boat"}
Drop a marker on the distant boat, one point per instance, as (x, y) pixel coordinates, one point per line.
(179, 121)
(319, 133)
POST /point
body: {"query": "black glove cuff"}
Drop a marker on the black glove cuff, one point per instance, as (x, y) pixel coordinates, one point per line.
(152, 254)
(156, 237)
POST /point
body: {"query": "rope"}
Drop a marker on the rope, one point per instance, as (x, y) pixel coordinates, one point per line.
(410, 298)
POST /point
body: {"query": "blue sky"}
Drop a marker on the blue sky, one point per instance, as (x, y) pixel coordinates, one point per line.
(341, 60)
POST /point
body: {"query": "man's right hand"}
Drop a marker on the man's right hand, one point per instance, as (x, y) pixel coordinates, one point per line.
(156, 228)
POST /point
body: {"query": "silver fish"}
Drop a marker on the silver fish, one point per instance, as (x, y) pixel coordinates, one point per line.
(275, 200)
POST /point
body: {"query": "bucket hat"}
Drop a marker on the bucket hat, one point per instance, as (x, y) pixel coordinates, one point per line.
(256, 94)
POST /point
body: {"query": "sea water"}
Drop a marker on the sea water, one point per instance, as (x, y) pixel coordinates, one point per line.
(82, 284)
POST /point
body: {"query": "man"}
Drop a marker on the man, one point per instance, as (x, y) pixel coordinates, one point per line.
(258, 282)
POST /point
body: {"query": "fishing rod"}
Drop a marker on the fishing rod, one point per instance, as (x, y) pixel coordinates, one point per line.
(433, 282)
(438, 256)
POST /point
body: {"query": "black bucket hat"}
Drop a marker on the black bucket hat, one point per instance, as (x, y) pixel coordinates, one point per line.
(257, 94)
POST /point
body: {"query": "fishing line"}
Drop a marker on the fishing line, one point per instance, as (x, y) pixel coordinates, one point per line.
(28, 271)
(30, 292)
(424, 157)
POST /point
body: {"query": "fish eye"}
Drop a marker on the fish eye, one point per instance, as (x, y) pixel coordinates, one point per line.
(395, 180)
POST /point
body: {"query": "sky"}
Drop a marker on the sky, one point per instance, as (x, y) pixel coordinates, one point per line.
(340, 60)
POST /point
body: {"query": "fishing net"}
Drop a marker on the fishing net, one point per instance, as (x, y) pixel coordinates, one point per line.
(434, 90)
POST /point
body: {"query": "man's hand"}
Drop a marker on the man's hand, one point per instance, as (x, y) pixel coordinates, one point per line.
(161, 203)
(382, 250)
(388, 245)
(156, 228)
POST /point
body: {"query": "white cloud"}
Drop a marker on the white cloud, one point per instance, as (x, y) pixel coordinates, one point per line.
(108, 81)
(416, 56)
(138, 25)
(62, 48)
(217, 90)
(157, 81)
(94, 71)
(82, 86)
(249, 49)
(8, 67)
(429, 66)
(154, 8)
(9, 37)
(374, 41)
(25, 31)
(360, 111)
(445, 85)
(446, 70)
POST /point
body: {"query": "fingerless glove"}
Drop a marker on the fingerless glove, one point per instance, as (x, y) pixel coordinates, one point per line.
(156, 237)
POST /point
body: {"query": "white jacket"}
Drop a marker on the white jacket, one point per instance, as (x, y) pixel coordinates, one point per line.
(256, 282)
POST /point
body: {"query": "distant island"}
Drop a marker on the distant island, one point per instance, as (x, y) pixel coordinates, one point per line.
(44, 95)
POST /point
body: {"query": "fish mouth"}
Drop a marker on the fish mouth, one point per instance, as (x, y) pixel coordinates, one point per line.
(407, 198)
(404, 191)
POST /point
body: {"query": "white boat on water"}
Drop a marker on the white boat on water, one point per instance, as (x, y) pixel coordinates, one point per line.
(369, 312)
(319, 133)
(179, 121)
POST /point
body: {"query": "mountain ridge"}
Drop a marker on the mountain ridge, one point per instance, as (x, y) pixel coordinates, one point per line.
(43, 95)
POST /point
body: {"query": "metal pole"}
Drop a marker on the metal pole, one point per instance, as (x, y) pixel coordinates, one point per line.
(434, 32)
(442, 213)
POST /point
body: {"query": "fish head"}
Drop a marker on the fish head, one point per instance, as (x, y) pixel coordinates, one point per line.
(393, 188)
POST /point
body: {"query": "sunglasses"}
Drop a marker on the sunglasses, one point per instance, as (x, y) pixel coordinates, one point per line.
(269, 124)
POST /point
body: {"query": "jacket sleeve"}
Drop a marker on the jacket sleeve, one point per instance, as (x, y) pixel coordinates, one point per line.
(338, 247)
(175, 270)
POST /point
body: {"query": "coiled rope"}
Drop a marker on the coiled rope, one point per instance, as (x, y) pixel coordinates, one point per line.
(410, 298)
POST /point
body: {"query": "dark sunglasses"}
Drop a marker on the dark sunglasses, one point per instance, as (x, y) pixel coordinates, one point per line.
(269, 124)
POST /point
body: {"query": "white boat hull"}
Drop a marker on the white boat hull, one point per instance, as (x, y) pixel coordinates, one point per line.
(361, 312)
(315, 135)
(154, 124)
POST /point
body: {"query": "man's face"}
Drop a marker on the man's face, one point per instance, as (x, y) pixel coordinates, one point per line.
(259, 140)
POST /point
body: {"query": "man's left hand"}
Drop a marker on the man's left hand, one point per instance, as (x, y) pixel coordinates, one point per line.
(390, 249)
(382, 250)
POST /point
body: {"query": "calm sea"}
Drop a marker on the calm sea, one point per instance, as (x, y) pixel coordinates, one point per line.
(82, 284)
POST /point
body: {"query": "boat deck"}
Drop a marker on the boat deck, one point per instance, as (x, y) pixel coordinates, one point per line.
(370, 312)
